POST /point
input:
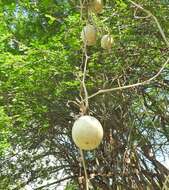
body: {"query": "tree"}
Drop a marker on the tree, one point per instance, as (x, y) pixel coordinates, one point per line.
(42, 62)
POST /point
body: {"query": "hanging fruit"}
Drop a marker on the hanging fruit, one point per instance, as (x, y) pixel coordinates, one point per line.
(88, 35)
(107, 42)
(87, 132)
(96, 6)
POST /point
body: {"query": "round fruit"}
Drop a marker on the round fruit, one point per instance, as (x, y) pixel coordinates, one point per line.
(106, 42)
(89, 35)
(87, 132)
(97, 6)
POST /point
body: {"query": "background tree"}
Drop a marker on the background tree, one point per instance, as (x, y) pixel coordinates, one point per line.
(41, 62)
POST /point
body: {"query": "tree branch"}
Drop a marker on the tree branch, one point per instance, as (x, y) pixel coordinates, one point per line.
(132, 85)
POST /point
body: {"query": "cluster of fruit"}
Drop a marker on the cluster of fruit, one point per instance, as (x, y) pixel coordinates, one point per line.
(89, 33)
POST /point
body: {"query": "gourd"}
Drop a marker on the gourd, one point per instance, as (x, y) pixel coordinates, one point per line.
(87, 132)
(106, 42)
(96, 6)
(88, 35)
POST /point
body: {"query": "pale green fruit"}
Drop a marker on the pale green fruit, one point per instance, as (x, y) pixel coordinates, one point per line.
(87, 132)
(97, 6)
(107, 42)
(88, 35)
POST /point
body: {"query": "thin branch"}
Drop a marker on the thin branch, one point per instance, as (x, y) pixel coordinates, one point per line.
(81, 8)
(132, 85)
(140, 17)
(83, 80)
(55, 182)
(85, 99)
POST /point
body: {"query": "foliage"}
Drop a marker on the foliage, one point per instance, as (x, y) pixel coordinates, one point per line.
(70, 187)
(40, 67)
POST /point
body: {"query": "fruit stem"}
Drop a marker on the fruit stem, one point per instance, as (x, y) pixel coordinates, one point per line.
(85, 171)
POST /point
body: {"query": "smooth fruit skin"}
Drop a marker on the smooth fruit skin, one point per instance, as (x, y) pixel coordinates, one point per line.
(88, 35)
(106, 42)
(87, 132)
(97, 6)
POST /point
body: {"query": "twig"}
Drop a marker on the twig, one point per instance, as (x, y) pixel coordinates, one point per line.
(55, 182)
(140, 17)
(81, 9)
(83, 80)
(73, 102)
